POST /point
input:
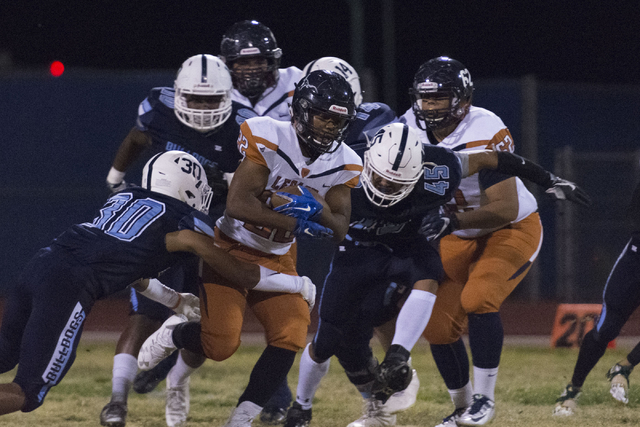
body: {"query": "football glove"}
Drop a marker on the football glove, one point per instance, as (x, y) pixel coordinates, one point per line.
(308, 291)
(393, 374)
(304, 206)
(114, 188)
(437, 223)
(310, 229)
(189, 306)
(567, 190)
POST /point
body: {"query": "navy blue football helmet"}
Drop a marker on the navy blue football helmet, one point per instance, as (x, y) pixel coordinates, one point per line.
(247, 39)
(441, 77)
(321, 109)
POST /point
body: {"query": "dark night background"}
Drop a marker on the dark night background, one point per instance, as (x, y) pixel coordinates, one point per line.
(60, 134)
(565, 41)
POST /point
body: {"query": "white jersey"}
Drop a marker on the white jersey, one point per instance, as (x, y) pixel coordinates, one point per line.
(274, 144)
(479, 130)
(275, 101)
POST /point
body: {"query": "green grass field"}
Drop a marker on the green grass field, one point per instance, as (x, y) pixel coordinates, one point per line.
(529, 381)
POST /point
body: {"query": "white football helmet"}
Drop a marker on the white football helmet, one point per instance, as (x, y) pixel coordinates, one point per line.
(341, 67)
(394, 154)
(203, 75)
(179, 175)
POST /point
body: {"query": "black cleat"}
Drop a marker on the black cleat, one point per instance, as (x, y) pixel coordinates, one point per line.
(297, 417)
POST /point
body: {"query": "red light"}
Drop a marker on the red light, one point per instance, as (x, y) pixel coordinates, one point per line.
(56, 68)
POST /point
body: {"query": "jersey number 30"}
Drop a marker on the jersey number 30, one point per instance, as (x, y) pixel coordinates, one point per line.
(125, 220)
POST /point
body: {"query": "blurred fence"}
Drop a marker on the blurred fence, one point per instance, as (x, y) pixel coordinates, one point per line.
(59, 136)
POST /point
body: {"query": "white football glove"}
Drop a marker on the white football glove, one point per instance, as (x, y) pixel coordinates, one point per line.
(114, 188)
(308, 291)
(189, 306)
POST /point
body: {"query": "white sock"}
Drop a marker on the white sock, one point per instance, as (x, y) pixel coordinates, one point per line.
(180, 372)
(270, 281)
(484, 381)
(125, 368)
(413, 318)
(462, 397)
(311, 373)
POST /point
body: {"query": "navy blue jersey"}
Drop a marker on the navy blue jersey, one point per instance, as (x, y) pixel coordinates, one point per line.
(393, 225)
(370, 117)
(126, 241)
(216, 148)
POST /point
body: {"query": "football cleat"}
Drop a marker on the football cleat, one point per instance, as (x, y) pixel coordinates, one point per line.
(481, 411)
(404, 399)
(618, 375)
(275, 410)
(243, 415)
(394, 374)
(374, 415)
(177, 406)
(452, 420)
(567, 403)
(160, 344)
(297, 417)
(147, 381)
(114, 414)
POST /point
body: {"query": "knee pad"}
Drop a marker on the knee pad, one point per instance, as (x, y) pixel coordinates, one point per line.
(360, 373)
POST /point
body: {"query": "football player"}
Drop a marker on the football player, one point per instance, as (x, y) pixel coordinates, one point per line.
(252, 54)
(493, 235)
(619, 300)
(197, 115)
(308, 151)
(138, 233)
(385, 259)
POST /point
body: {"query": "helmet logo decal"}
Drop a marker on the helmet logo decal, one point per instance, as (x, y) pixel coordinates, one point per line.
(250, 51)
(428, 87)
(466, 77)
(338, 109)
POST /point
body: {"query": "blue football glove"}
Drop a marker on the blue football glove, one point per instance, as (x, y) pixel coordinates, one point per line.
(310, 229)
(304, 206)
(437, 224)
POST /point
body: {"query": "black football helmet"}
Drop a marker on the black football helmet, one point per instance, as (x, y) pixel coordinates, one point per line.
(446, 77)
(328, 96)
(247, 39)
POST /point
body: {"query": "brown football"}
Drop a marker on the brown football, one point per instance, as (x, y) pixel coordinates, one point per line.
(277, 199)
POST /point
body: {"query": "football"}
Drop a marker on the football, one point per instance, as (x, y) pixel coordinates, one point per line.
(273, 200)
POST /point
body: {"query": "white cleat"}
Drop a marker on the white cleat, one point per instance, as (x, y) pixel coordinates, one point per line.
(160, 344)
(452, 420)
(481, 411)
(404, 399)
(619, 377)
(243, 415)
(567, 403)
(374, 415)
(177, 406)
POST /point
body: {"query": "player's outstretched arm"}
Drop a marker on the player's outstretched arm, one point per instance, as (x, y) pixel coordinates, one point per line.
(242, 274)
(512, 164)
(130, 149)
